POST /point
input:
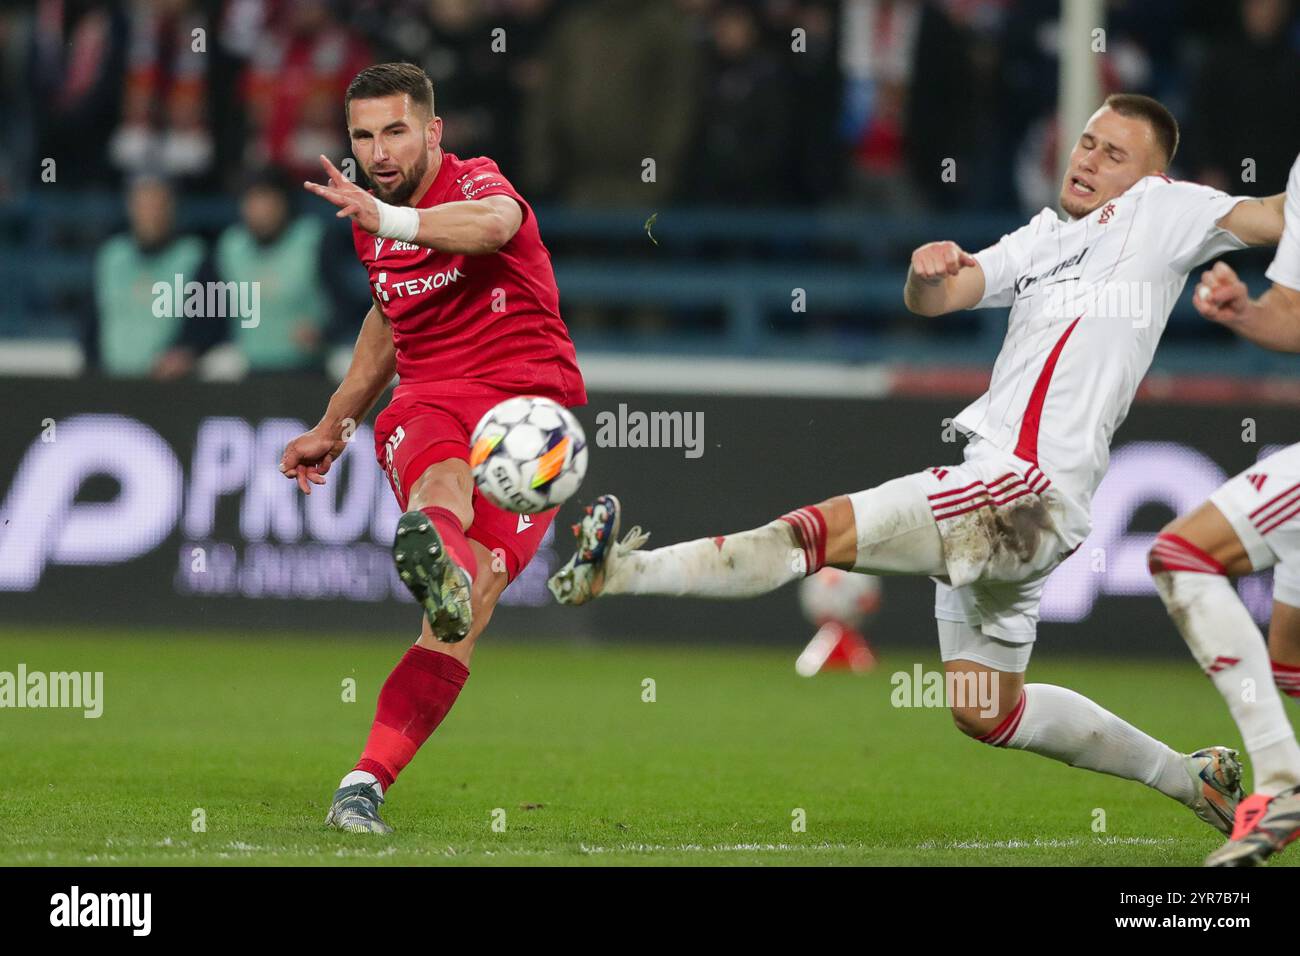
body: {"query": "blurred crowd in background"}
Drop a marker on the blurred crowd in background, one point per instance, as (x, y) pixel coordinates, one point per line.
(770, 103)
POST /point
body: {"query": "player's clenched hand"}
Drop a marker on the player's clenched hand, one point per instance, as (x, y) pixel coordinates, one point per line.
(309, 456)
(353, 201)
(1221, 296)
(936, 261)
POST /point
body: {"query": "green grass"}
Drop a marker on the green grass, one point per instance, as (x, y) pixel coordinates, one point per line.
(256, 735)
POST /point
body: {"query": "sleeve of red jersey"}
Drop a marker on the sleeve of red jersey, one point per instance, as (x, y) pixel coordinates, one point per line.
(487, 180)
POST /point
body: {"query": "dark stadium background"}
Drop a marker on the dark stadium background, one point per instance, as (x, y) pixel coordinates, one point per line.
(782, 176)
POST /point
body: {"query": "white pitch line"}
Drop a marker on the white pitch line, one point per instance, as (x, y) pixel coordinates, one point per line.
(1054, 844)
(241, 850)
(717, 848)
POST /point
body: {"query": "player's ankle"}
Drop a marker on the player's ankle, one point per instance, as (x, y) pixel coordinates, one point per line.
(354, 777)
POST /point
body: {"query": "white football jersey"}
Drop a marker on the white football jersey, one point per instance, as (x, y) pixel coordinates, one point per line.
(1285, 269)
(1089, 300)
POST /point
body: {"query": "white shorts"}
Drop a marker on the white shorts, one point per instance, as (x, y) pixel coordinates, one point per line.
(1006, 611)
(1000, 517)
(960, 641)
(1002, 528)
(1263, 506)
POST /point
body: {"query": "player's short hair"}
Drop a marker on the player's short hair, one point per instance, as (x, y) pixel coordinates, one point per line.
(387, 79)
(1156, 114)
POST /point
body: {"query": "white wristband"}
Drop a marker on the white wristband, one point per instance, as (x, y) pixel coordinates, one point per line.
(398, 222)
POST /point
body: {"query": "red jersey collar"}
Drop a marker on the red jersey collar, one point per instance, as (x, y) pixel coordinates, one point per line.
(438, 187)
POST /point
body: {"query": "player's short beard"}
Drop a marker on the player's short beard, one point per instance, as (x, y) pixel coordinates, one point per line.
(406, 186)
(1078, 212)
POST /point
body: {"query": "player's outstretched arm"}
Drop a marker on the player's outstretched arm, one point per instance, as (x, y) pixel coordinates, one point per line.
(1256, 222)
(942, 278)
(1272, 321)
(309, 456)
(472, 227)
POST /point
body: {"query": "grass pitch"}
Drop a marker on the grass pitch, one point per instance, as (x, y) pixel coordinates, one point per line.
(250, 737)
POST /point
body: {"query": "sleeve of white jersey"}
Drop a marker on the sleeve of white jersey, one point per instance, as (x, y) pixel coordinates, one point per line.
(1285, 269)
(1002, 262)
(1182, 218)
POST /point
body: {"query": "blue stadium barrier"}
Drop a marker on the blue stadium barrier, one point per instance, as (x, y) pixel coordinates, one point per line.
(739, 267)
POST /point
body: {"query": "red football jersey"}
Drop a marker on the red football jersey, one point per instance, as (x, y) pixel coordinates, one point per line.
(493, 318)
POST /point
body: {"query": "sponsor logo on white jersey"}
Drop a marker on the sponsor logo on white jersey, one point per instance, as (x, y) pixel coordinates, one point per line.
(1024, 282)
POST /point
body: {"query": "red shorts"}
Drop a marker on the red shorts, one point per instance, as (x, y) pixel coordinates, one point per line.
(426, 424)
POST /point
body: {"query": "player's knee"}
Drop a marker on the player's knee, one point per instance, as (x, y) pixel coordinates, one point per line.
(1155, 566)
(440, 488)
(1172, 551)
(841, 531)
(1154, 563)
(1203, 540)
(980, 700)
(972, 722)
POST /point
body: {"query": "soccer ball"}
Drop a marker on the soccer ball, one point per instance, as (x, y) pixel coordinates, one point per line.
(528, 454)
(842, 597)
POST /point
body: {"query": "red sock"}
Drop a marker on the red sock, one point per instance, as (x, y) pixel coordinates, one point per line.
(412, 703)
(1287, 678)
(453, 538)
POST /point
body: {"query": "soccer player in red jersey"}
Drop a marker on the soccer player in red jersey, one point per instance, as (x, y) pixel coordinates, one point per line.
(466, 312)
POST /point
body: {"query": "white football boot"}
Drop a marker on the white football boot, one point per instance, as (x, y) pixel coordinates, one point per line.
(583, 577)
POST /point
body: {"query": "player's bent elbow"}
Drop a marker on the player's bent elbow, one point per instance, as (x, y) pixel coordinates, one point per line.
(931, 313)
(916, 307)
(1289, 315)
(496, 234)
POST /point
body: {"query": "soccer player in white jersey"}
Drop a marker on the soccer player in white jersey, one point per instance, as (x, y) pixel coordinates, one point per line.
(990, 529)
(1252, 522)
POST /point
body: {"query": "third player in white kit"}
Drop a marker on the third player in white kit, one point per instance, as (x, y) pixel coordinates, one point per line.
(1089, 298)
(1250, 523)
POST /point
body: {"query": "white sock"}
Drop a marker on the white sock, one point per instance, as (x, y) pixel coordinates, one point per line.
(1058, 723)
(740, 565)
(1230, 649)
(895, 530)
(361, 776)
